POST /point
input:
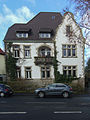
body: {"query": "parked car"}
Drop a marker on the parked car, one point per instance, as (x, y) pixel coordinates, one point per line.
(5, 90)
(54, 89)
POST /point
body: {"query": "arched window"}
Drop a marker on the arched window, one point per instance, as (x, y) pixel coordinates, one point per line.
(44, 52)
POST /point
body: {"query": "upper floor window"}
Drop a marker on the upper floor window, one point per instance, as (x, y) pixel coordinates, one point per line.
(44, 35)
(69, 50)
(44, 51)
(27, 51)
(16, 51)
(68, 30)
(22, 35)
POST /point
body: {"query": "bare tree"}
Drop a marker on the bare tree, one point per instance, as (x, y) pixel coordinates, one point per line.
(82, 13)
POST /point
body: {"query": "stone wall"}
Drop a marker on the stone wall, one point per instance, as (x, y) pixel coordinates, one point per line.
(80, 82)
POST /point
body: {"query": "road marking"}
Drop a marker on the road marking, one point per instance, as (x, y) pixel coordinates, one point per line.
(3, 113)
(68, 112)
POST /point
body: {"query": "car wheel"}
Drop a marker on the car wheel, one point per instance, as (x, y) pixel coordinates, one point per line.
(41, 94)
(2, 94)
(65, 94)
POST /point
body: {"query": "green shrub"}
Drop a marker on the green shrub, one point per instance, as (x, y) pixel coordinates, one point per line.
(22, 86)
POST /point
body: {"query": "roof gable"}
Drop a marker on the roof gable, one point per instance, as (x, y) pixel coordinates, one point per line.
(2, 52)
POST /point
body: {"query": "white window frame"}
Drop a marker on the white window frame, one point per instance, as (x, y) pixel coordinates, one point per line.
(70, 68)
(28, 73)
(66, 50)
(45, 69)
(22, 35)
(27, 51)
(18, 72)
(44, 35)
(46, 52)
(16, 51)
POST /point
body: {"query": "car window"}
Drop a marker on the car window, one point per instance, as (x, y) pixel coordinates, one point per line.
(60, 86)
(52, 85)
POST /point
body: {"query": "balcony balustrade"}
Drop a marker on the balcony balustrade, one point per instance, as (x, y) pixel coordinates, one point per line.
(44, 60)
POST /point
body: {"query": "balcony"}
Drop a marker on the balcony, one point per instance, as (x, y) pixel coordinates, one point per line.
(43, 60)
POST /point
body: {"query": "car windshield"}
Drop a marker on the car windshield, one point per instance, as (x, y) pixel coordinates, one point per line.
(51, 85)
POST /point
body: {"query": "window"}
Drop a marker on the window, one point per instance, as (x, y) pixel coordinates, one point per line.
(45, 51)
(53, 17)
(44, 35)
(18, 72)
(68, 30)
(27, 51)
(69, 50)
(69, 70)
(45, 72)
(28, 72)
(1, 78)
(16, 51)
(22, 35)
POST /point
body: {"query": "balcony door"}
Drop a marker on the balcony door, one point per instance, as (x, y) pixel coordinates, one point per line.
(44, 52)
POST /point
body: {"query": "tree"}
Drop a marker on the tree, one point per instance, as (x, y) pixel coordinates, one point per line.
(87, 73)
(81, 6)
(82, 13)
(10, 64)
(87, 68)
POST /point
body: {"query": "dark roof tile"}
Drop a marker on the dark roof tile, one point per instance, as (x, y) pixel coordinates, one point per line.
(42, 20)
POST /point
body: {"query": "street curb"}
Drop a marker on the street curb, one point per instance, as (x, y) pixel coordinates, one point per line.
(23, 94)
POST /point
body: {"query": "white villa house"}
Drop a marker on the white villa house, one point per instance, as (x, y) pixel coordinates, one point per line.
(34, 43)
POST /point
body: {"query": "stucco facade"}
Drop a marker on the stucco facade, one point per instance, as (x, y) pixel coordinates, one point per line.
(36, 72)
(77, 40)
(2, 68)
(35, 55)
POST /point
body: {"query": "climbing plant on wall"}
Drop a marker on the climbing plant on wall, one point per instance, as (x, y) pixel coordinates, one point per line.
(10, 63)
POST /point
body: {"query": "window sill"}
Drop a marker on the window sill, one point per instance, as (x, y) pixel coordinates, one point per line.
(28, 78)
(27, 57)
(69, 57)
(46, 78)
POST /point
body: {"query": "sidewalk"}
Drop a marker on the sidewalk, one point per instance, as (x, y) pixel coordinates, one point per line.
(23, 94)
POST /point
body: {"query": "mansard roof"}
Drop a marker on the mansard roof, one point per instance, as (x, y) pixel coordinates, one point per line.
(42, 22)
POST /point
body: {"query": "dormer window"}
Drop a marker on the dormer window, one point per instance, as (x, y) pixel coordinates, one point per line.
(44, 35)
(22, 35)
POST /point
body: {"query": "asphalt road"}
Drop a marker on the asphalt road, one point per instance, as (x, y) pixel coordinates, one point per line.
(28, 107)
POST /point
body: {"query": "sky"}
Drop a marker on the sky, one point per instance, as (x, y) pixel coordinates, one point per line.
(21, 11)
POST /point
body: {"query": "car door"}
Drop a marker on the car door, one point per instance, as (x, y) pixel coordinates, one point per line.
(51, 89)
(59, 89)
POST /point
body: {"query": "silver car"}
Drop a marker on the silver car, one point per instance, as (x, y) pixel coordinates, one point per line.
(54, 89)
